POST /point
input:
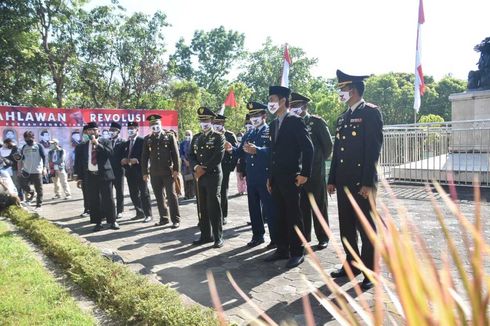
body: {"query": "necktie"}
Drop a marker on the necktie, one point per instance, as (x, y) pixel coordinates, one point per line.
(94, 155)
(130, 147)
(276, 132)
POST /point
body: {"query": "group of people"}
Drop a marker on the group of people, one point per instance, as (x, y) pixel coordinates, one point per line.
(284, 163)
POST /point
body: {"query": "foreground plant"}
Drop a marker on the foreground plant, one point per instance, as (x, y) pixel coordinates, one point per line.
(418, 291)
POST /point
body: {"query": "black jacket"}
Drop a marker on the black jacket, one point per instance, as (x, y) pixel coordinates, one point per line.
(229, 159)
(358, 141)
(292, 151)
(116, 157)
(104, 152)
(137, 149)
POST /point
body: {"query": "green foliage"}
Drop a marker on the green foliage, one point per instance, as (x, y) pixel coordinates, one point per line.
(28, 293)
(124, 295)
(430, 118)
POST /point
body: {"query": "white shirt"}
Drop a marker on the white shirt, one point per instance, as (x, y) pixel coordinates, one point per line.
(91, 167)
(355, 105)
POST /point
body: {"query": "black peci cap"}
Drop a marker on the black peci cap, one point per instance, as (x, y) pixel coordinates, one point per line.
(115, 125)
(92, 125)
(133, 124)
(279, 91)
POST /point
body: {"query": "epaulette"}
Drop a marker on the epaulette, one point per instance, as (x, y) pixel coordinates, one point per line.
(370, 105)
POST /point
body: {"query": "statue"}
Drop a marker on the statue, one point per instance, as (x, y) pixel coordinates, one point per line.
(480, 79)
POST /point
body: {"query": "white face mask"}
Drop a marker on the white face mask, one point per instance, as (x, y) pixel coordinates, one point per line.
(273, 107)
(296, 111)
(344, 96)
(156, 128)
(218, 128)
(106, 135)
(248, 127)
(256, 121)
(188, 138)
(131, 132)
(205, 126)
(113, 134)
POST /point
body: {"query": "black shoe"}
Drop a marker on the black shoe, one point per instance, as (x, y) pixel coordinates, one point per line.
(271, 245)
(219, 244)
(98, 227)
(162, 222)
(225, 220)
(137, 217)
(321, 245)
(175, 225)
(342, 273)
(255, 243)
(366, 284)
(276, 256)
(199, 242)
(295, 261)
(249, 223)
(115, 226)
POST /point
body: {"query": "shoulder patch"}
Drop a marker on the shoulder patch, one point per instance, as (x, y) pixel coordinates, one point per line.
(370, 105)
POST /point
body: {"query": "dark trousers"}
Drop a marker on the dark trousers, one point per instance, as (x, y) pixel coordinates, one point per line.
(158, 183)
(37, 180)
(85, 193)
(209, 193)
(286, 195)
(119, 186)
(318, 189)
(260, 205)
(350, 225)
(189, 188)
(225, 182)
(100, 198)
(139, 193)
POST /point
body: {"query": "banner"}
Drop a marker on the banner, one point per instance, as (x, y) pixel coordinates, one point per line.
(66, 124)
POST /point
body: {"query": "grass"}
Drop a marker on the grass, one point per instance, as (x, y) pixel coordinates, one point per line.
(126, 296)
(29, 295)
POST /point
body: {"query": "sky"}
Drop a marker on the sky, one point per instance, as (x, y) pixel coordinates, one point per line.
(356, 36)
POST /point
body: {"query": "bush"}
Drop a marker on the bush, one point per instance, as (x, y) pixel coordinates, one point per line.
(126, 296)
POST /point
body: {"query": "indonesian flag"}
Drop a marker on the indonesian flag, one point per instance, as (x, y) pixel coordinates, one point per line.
(419, 76)
(230, 102)
(285, 68)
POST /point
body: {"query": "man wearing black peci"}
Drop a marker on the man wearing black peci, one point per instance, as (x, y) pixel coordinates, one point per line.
(96, 171)
(358, 141)
(116, 142)
(290, 168)
(138, 188)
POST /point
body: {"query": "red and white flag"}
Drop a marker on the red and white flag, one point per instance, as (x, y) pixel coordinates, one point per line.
(285, 68)
(230, 102)
(419, 76)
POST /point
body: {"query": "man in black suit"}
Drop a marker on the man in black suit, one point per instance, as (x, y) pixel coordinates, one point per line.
(290, 168)
(96, 171)
(358, 141)
(115, 159)
(228, 163)
(78, 171)
(138, 188)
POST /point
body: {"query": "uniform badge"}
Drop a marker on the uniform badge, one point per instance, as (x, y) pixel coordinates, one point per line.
(356, 120)
(201, 110)
(311, 123)
(338, 136)
(354, 133)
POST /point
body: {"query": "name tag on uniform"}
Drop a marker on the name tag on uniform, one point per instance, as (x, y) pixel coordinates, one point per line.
(356, 120)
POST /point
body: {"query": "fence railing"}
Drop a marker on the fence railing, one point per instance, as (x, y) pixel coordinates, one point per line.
(420, 153)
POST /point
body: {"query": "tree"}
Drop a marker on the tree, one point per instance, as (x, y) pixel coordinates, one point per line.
(186, 99)
(430, 118)
(441, 105)
(215, 52)
(263, 68)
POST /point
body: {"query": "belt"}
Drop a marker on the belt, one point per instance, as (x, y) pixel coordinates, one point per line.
(93, 172)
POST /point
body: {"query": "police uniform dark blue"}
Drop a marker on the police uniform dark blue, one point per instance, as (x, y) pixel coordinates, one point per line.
(316, 184)
(358, 141)
(291, 156)
(228, 164)
(207, 150)
(257, 171)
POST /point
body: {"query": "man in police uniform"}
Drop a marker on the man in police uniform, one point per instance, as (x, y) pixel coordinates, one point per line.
(116, 141)
(160, 148)
(228, 164)
(316, 184)
(255, 149)
(207, 150)
(290, 168)
(358, 140)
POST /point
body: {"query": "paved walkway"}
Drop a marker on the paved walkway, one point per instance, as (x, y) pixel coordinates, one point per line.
(169, 255)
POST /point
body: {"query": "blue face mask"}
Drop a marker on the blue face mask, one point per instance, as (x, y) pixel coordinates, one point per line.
(85, 137)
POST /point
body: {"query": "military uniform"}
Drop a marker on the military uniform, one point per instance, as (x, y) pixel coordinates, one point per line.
(228, 164)
(257, 170)
(316, 184)
(207, 150)
(161, 150)
(358, 141)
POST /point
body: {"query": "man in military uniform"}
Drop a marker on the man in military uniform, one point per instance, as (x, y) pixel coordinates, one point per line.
(290, 168)
(160, 148)
(316, 184)
(138, 188)
(116, 141)
(358, 140)
(228, 164)
(255, 149)
(207, 150)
